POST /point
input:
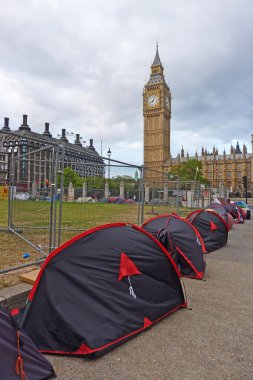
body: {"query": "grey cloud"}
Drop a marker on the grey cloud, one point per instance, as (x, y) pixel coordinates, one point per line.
(82, 66)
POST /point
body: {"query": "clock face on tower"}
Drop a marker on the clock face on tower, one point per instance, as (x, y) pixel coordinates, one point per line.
(153, 100)
(167, 102)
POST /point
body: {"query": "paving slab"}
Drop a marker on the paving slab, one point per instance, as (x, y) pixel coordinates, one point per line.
(15, 296)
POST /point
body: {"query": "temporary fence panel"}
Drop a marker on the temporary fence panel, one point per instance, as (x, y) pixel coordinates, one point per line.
(28, 231)
(42, 208)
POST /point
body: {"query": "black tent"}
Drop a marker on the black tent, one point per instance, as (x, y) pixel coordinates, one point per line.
(234, 211)
(211, 227)
(155, 224)
(183, 242)
(242, 213)
(100, 289)
(221, 210)
(19, 357)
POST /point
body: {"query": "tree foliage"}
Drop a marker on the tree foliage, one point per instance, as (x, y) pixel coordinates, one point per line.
(70, 175)
(190, 170)
(95, 182)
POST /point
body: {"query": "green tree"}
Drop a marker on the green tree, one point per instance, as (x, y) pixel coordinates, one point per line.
(95, 182)
(70, 175)
(190, 170)
(129, 182)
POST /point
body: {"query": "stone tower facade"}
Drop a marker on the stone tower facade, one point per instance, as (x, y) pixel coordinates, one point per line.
(157, 115)
(226, 169)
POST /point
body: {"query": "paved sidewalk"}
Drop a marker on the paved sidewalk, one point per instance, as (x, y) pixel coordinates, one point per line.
(213, 341)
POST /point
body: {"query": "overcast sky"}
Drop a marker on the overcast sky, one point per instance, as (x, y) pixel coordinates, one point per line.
(82, 65)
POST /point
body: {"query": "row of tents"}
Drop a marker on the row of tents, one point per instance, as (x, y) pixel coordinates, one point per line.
(106, 285)
(188, 239)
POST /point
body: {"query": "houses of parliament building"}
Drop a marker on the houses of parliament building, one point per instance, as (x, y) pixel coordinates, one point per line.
(219, 168)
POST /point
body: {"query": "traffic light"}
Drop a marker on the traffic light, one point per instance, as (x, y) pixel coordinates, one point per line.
(244, 178)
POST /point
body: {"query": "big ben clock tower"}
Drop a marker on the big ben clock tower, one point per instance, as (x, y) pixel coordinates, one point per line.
(157, 114)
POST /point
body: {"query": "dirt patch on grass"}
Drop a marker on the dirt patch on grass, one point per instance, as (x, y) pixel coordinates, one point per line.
(13, 278)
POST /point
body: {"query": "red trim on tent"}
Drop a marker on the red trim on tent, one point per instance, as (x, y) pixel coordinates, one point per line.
(220, 217)
(171, 243)
(242, 212)
(161, 246)
(230, 221)
(64, 245)
(211, 212)
(198, 274)
(155, 217)
(89, 232)
(85, 350)
(196, 212)
(127, 267)
(195, 230)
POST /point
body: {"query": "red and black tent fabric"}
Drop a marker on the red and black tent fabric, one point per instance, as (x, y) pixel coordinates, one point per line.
(230, 221)
(100, 289)
(182, 240)
(155, 224)
(19, 357)
(185, 244)
(220, 209)
(211, 227)
(242, 213)
(234, 211)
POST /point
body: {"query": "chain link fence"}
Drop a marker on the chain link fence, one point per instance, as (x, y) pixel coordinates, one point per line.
(50, 199)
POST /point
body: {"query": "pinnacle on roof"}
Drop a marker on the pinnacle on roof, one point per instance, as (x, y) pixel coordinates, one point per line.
(157, 60)
(237, 149)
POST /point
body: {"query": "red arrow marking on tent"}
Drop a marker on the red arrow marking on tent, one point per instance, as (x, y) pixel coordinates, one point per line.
(127, 267)
(147, 322)
(213, 226)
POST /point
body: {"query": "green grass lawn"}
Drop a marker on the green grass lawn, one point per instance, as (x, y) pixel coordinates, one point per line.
(75, 215)
(32, 218)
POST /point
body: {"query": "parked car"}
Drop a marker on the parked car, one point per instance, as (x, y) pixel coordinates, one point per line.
(243, 205)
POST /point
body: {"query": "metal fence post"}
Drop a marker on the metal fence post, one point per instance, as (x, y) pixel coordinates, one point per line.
(61, 172)
(55, 196)
(52, 202)
(177, 199)
(141, 197)
(11, 189)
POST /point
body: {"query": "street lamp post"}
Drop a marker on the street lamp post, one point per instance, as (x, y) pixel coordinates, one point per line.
(109, 153)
